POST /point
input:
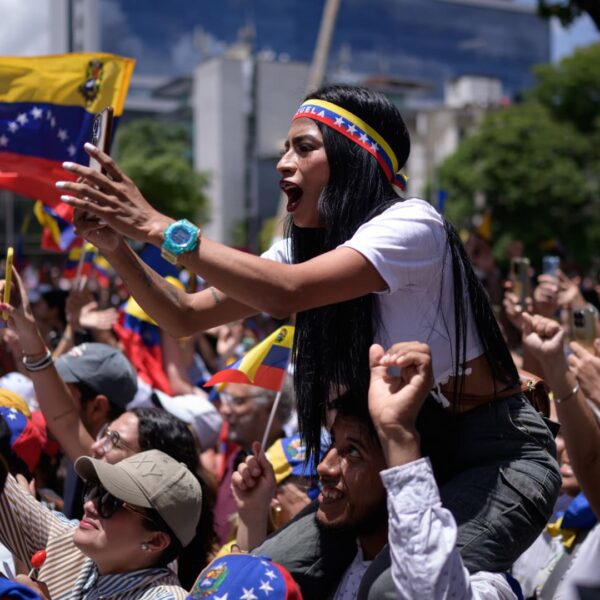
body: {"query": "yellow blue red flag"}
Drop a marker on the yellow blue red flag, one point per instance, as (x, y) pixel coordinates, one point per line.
(47, 107)
(264, 365)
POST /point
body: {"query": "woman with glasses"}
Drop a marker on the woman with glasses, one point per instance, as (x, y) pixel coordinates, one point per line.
(134, 431)
(140, 515)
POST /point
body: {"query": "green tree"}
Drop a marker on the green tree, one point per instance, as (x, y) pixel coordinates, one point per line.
(537, 163)
(566, 11)
(157, 156)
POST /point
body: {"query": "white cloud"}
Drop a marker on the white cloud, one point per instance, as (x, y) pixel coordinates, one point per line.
(25, 27)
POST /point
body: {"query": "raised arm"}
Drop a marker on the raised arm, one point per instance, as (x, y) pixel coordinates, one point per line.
(264, 285)
(55, 400)
(426, 562)
(578, 423)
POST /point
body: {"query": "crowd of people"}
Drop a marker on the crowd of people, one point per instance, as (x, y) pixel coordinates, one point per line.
(413, 450)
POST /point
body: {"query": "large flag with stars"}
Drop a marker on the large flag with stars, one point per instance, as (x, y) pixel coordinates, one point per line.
(47, 107)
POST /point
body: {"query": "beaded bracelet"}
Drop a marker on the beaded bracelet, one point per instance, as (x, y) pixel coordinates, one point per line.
(40, 364)
(568, 396)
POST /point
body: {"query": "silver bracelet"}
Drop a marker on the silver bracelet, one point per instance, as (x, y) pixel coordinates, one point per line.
(40, 364)
(568, 396)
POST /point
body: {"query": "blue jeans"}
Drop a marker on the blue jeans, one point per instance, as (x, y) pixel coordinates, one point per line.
(497, 473)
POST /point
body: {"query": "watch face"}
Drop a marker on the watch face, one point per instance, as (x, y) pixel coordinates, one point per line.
(180, 235)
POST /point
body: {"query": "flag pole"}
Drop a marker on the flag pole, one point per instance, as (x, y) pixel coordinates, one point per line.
(270, 421)
(79, 283)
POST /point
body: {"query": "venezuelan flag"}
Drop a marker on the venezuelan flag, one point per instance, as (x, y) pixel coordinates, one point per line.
(59, 233)
(140, 336)
(264, 365)
(73, 258)
(47, 107)
(102, 270)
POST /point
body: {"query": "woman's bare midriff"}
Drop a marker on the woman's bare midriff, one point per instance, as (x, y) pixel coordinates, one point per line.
(479, 383)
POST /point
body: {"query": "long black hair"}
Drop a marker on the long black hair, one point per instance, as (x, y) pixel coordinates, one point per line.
(331, 344)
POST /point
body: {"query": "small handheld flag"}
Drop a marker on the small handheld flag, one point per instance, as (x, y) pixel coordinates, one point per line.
(264, 365)
(7, 278)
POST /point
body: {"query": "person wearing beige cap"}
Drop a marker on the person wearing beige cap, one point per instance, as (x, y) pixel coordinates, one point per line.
(139, 516)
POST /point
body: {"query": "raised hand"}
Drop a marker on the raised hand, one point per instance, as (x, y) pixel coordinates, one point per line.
(253, 488)
(543, 337)
(395, 400)
(112, 198)
(253, 484)
(586, 368)
(21, 319)
(95, 231)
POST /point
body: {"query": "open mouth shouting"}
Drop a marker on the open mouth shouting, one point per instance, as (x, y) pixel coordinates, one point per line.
(293, 193)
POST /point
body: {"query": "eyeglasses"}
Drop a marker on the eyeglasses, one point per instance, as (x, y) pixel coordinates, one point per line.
(113, 440)
(107, 504)
(238, 400)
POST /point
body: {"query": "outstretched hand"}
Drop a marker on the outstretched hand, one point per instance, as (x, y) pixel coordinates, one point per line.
(395, 400)
(113, 199)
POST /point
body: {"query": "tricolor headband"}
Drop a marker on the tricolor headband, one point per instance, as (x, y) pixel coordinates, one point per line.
(355, 129)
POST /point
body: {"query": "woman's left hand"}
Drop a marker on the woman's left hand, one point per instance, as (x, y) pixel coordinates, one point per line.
(113, 198)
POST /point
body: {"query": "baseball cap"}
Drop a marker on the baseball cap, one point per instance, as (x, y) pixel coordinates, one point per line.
(102, 368)
(196, 411)
(151, 479)
(288, 455)
(245, 576)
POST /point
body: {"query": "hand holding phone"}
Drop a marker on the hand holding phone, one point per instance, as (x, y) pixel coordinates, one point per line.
(520, 276)
(7, 279)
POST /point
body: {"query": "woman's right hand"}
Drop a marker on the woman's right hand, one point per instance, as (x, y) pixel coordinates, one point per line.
(253, 485)
(113, 199)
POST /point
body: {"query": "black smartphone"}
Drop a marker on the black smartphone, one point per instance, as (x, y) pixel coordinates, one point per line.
(520, 269)
(102, 129)
(583, 327)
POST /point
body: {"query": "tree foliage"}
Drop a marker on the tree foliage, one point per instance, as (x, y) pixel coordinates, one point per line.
(157, 156)
(566, 11)
(537, 163)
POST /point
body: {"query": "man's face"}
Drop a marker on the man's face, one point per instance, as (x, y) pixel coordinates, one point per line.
(246, 411)
(352, 494)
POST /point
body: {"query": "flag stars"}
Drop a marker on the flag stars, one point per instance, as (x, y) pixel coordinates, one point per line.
(36, 112)
(266, 587)
(364, 138)
(248, 594)
(3, 141)
(48, 115)
(339, 121)
(22, 118)
(52, 122)
(375, 146)
(12, 416)
(71, 150)
(62, 134)
(223, 597)
(13, 126)
(270, 574)
(351, 128)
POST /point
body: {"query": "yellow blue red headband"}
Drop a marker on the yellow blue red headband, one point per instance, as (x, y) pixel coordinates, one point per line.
(355, 129)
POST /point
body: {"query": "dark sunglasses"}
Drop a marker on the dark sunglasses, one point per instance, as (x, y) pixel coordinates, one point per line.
(107, 504)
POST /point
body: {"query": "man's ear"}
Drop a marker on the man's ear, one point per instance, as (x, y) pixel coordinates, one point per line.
(99, 408)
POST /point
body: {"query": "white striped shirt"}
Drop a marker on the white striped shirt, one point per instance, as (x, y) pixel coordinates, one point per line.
(27, 526)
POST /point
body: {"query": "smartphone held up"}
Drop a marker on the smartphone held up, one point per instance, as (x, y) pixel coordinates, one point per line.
(102, 130)
(583, 327)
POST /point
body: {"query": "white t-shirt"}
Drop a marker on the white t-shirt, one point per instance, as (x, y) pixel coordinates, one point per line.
(408, 247)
